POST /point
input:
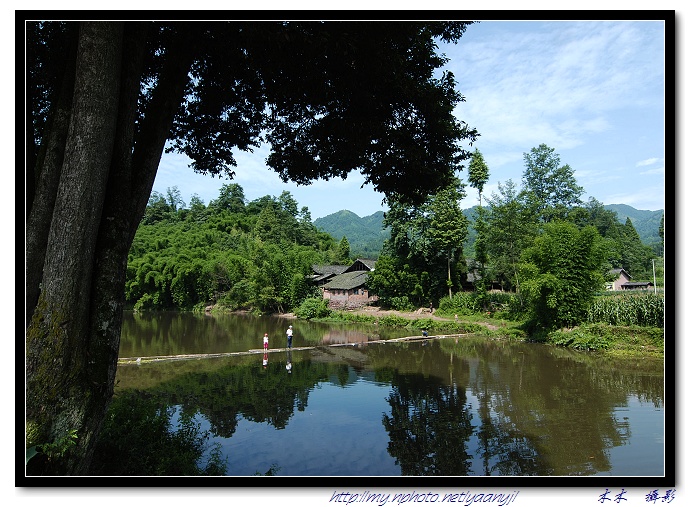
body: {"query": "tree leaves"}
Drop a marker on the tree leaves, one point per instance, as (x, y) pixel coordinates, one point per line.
(256, 255)
(563, 271)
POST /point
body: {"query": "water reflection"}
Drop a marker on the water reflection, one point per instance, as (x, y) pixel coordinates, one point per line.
(429, 426)
(174, 333)
(444, 407)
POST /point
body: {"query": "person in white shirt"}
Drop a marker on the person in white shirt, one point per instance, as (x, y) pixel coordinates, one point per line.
(289, 337)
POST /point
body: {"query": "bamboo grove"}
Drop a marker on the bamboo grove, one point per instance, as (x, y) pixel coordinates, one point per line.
(254, 255)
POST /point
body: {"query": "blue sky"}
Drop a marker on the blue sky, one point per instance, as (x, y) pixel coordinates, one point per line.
(592, 90)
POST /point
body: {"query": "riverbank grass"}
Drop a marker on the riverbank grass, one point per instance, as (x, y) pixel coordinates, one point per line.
(614, 340)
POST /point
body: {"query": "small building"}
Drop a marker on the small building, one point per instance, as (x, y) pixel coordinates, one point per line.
(347, 289)
(623, 282)
(623, 277)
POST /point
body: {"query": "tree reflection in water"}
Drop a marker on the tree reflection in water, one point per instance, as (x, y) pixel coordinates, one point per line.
(429, 426)
(454, 408)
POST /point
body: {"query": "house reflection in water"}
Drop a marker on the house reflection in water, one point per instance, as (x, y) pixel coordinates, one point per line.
(336, 336)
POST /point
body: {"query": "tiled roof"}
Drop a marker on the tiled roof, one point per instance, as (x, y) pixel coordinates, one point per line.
(321, 278)
(370, 263)
(347, 281)
(326, 269)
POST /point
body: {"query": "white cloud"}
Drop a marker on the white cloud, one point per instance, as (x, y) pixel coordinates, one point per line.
(594, 177)
(648, 161)
(522, 95)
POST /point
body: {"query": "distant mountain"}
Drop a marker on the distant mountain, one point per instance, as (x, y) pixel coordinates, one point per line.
(365, 235)
(646, 222)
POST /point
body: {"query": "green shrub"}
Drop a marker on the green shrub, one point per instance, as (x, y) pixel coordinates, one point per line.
(582, 338)
(504, 305)
(400, 303)
(423, 323)
(394, 321)
(50, 457)
(313, 308)
(350, 317)
(461, 303)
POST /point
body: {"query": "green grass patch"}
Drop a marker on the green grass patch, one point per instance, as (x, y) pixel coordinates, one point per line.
(616, 340)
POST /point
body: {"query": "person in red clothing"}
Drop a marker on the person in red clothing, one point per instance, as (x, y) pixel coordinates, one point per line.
(265, 341)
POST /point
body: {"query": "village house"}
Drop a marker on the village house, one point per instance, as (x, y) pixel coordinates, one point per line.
(622, 277)
(469, 281)
(345, 286)
(623, 282)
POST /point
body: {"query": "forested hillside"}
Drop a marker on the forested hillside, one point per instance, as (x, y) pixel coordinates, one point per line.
(365, 235)
(646, 222)
(254, 255)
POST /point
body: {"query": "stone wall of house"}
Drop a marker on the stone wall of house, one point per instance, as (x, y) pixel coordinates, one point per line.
(347, 300)
(346, 304)
(617, 284)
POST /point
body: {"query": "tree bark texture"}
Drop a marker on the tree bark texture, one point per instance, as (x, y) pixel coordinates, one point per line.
(102, 187)
(60, 396)
(46, 173)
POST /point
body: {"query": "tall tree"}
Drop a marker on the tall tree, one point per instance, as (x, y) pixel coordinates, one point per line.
(427, 239)
(447, 226)
(230, 197)
(344, 250)
(157, 209)
(478, 176)
(636, 257)
(329, 98)
(549, 189)
(510, 228)
(174, 198)
(478, 173)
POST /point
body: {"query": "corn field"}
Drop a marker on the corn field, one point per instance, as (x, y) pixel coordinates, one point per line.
(636, 309)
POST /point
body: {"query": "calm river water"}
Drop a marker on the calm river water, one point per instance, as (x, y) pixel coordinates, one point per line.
(452, 407)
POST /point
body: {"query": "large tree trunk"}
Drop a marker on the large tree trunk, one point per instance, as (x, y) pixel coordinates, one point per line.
(129, 187)
(44, 172)
(60, 396)
(104, 183)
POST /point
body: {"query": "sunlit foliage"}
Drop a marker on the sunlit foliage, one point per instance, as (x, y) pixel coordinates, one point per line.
(255, 255)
